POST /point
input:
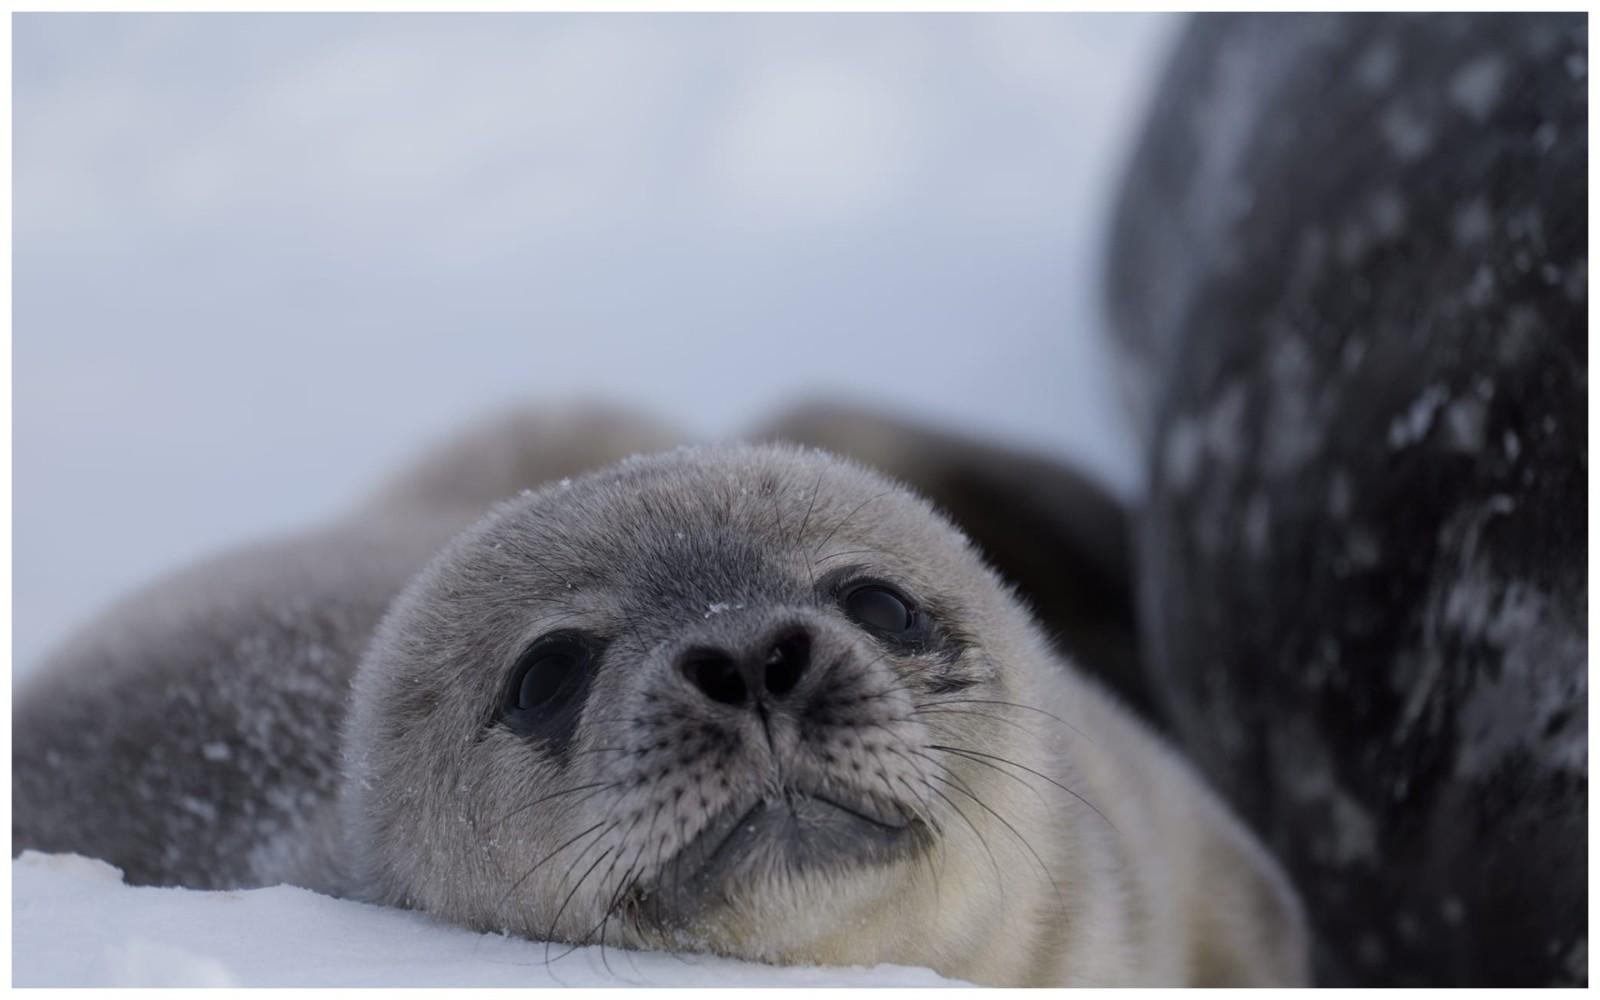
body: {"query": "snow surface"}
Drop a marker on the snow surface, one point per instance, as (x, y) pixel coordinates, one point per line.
(285, 936)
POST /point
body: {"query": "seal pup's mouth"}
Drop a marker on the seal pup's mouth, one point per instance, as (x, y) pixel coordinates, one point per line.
(801, 832)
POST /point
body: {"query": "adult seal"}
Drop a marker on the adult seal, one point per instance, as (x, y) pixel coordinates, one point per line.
(1349, 277)
(753, 700)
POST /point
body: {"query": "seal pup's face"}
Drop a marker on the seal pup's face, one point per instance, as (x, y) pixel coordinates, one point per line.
(724, 698)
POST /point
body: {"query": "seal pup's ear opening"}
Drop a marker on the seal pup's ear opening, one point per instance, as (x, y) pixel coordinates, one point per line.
(1061, 539)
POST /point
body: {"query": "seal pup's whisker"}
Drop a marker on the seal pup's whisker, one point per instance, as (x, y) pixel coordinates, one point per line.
(970, 713)
(983, 841)
(971, 754)
(536, 865)
(816, 489)
(846, 552)
(846, 520)
(1025, 783)
(1010, 704)
(550, 932)
(1044, 868)
(601, 785)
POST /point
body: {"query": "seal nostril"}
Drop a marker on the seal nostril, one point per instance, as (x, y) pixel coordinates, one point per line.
(715, 675)
(786, 661)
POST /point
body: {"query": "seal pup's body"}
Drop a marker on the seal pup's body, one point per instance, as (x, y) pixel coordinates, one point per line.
(662, 705)
(189, 734)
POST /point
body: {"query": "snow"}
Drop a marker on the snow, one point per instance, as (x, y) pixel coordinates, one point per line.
(285, 936)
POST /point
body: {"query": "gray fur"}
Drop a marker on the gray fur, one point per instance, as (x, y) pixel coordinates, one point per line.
(1058, 842)
(1064, 844)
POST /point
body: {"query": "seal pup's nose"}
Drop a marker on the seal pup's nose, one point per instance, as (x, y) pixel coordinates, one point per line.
(767, 670)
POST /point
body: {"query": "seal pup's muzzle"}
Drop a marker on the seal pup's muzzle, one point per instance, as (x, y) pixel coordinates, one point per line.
(811, 723)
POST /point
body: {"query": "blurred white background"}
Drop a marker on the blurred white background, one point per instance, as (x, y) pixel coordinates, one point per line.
(260, 260)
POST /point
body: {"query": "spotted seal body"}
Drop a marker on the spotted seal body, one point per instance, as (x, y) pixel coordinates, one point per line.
(1349, 276)
(750, 700)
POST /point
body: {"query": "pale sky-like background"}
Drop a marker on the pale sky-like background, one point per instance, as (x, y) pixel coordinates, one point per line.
(260, 260)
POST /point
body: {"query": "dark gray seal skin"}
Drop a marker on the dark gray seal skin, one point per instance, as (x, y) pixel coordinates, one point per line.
(1349, 275)
(188, 735)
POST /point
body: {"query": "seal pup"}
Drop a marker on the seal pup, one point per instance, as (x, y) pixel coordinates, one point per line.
(763, 702)
(750, 700)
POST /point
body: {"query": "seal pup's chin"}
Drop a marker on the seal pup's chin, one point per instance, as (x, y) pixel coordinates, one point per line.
(797, 832)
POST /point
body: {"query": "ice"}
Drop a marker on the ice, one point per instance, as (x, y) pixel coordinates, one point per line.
(74, 923)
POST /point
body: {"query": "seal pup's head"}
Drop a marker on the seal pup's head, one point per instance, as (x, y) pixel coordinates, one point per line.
(728, 698)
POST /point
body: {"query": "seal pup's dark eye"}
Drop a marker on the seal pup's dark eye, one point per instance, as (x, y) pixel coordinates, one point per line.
(547, 686)
(545, 675)
(881, 609)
